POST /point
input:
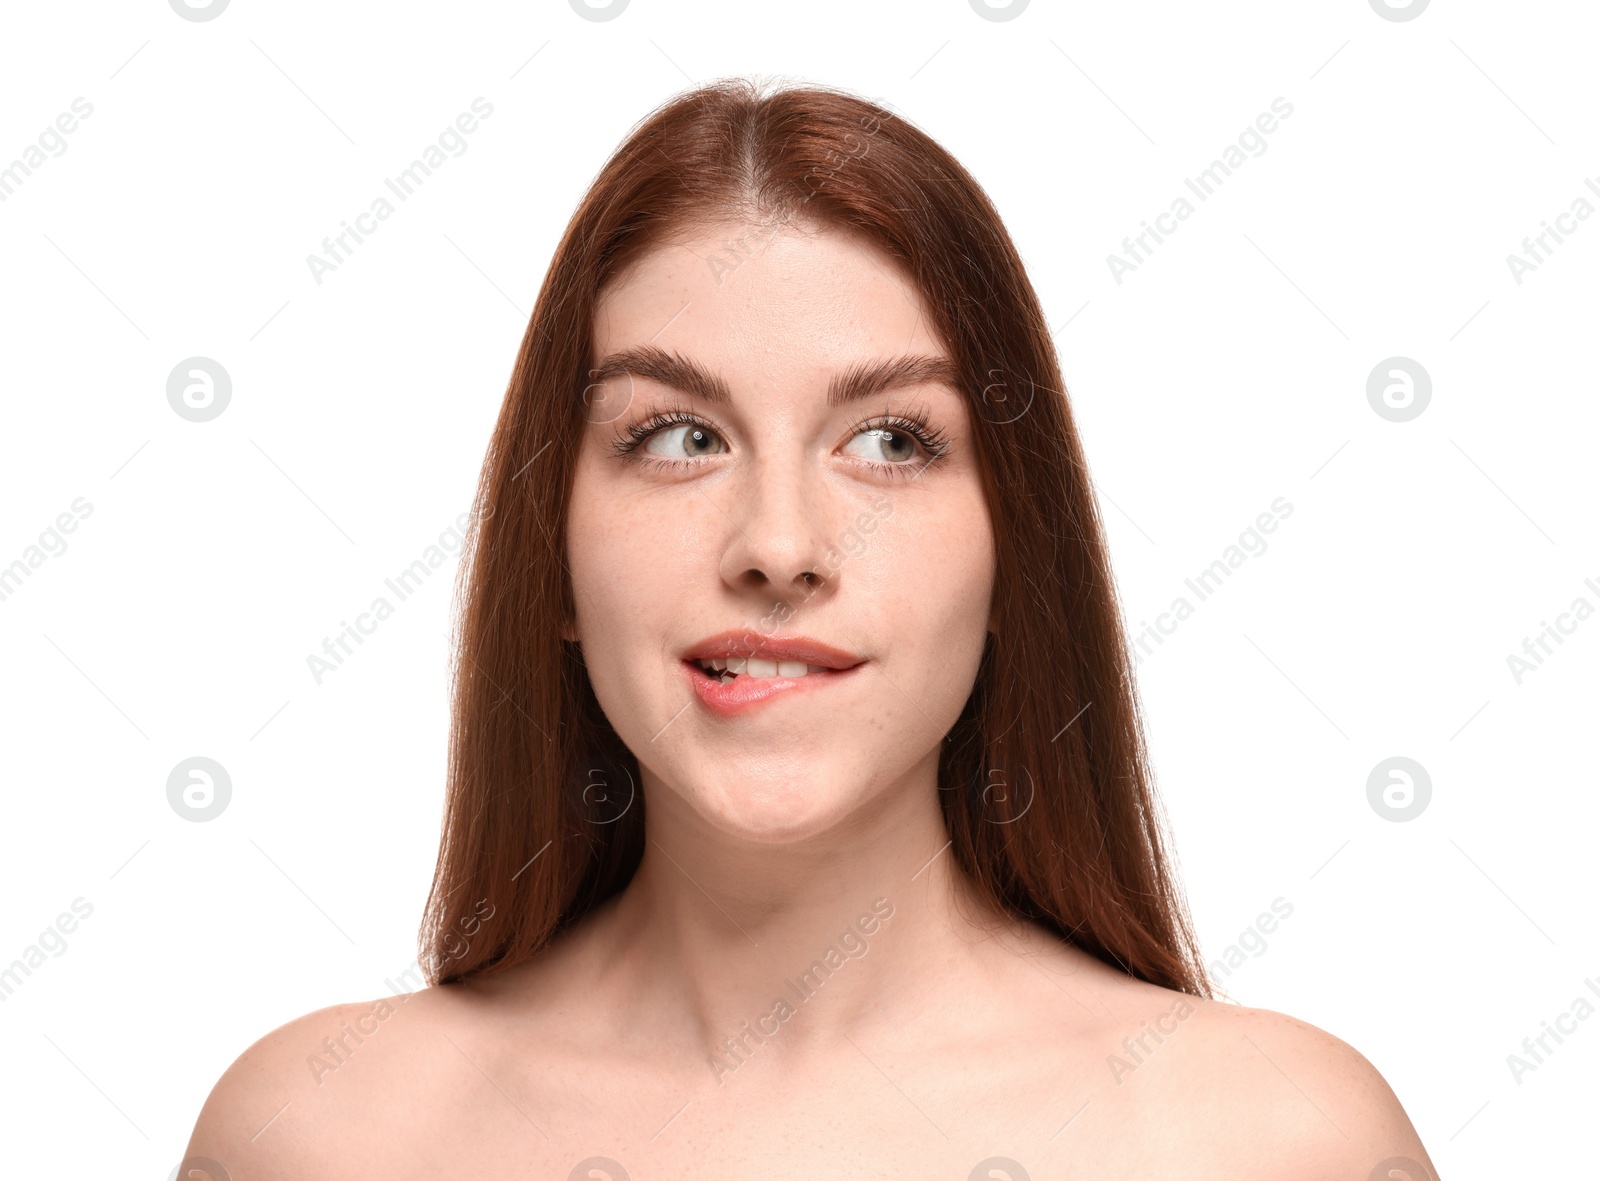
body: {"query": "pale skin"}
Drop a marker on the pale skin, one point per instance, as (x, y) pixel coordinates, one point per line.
(948, 1036)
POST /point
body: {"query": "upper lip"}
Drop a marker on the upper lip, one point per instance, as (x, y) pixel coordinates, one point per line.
(743, 643)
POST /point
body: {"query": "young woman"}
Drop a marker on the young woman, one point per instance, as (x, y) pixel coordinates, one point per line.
(799, 822)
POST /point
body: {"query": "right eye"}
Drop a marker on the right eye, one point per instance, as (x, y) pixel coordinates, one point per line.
(683, 441)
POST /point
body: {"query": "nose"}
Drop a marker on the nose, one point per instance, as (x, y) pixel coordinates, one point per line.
(778, 542)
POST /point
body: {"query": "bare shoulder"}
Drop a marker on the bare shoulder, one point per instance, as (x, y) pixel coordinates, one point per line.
(1276, 1096)
(1205, 1087)
(333, 1093)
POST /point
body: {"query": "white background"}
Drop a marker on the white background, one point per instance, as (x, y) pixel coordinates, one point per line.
(1227, 370)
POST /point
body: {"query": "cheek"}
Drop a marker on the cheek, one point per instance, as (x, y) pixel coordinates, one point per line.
(927, 575)
(610, 562)
(931, 567)
(630, 559)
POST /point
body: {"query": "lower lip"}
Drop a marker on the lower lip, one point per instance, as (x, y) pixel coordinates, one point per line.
(745, 692)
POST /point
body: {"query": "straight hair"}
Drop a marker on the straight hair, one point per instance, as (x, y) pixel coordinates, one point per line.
(1044, 779)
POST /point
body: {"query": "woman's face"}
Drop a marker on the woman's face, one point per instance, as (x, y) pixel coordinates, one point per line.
(781, 456)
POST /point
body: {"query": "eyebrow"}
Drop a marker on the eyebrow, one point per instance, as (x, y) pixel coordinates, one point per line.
(859, 381)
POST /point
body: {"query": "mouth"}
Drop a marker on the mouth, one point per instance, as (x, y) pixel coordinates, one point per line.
(735, 671)
(724, 671)
(750, 653)
(730, 691)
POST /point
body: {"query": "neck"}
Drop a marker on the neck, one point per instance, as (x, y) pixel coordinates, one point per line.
(737, 948)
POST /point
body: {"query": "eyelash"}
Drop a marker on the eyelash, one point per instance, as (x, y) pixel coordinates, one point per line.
(914, 424)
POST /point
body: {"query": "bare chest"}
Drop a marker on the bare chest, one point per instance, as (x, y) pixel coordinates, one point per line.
(868, 1115)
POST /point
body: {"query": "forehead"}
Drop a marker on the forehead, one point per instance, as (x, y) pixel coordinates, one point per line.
(740, 295)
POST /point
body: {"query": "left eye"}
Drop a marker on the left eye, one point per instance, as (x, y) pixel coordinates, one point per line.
(883, 444)
(685, 440)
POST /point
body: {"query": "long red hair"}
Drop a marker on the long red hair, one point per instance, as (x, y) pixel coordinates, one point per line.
(1044, 779)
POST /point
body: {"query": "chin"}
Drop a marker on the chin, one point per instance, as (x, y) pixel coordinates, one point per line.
(778, 808)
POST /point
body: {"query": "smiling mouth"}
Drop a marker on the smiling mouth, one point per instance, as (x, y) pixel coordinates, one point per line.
(726, 671)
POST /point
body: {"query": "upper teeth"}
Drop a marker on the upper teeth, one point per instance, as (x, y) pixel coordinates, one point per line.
(756, 667)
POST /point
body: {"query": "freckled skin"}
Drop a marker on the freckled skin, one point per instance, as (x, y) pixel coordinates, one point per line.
(956, 1035)
(727, 541)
